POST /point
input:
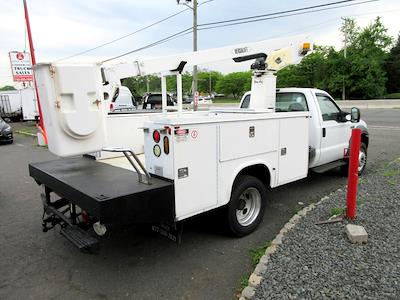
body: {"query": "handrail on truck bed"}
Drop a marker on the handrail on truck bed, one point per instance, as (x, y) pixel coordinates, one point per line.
(126, 152)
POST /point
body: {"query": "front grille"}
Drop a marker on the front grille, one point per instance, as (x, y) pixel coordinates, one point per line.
(7, 135)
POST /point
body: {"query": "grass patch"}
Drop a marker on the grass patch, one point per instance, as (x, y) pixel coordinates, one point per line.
(391, 172)
(225, 100)
(337, 211)
(393, 96)
(257, 253)
(26, 129)
(296, 210)
(244, 282)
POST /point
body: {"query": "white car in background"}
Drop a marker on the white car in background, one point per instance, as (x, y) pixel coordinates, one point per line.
(203, 100)
(124, 101)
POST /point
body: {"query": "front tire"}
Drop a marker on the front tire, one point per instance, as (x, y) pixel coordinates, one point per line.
(362, 161)
(246, 206)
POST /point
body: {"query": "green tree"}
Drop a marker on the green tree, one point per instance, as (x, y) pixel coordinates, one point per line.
(392, 67)
(235, 84)
(186, 83)
(207, 81)
(364, 71)
(138, 84)
(7, 88)
(310, 73)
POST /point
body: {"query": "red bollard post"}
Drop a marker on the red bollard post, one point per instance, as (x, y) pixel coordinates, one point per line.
(353, 173)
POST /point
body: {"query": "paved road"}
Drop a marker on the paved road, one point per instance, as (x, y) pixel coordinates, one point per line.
(135, 263)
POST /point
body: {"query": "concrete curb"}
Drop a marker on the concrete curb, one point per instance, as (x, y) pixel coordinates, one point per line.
(261, 268)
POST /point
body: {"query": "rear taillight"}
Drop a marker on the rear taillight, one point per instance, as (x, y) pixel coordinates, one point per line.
(111, 106)
(156, 136)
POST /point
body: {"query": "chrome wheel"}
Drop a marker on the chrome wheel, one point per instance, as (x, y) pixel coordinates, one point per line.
(362, 160)
(249, 206)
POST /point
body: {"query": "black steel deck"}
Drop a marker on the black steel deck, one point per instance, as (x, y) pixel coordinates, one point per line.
(111, 194)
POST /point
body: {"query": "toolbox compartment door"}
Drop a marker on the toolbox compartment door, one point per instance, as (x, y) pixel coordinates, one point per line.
(293, 149)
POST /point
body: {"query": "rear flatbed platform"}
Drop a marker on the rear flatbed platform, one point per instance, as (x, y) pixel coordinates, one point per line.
(111, 194)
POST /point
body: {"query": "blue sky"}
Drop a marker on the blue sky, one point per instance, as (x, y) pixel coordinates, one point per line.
(62, 28)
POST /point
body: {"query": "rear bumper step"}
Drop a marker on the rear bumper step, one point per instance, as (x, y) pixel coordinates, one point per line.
(80, 238)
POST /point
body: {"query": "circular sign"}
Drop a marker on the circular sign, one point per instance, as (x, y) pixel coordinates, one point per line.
(194, 134)
(20, 56)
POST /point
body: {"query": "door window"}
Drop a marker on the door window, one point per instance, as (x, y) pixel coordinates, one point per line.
(246, 102)
(329, 109)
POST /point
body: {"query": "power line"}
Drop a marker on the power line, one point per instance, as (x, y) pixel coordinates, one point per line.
(275, 16)
(283, 14)
(130, 34)
(161, 41)
(279, 13)
(124, 36)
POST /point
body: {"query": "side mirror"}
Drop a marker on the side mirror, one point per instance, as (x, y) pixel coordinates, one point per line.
(355, 115)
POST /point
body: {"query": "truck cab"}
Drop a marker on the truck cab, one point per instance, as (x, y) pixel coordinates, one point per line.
(329, 126)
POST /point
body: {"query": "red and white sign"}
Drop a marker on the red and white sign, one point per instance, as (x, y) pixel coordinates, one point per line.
(194, 134)
(21, 66)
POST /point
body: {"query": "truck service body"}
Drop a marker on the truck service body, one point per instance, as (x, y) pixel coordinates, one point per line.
(193, 162)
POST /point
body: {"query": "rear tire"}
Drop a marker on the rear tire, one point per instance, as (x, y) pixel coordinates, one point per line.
(362, 161)
(246, 206)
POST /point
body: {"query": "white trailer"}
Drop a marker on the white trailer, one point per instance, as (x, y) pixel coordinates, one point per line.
(19, 104)
(194, 161)
(10, 104)
(29, 104)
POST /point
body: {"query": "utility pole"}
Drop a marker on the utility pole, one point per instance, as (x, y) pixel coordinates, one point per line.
(345, 54)
(209, 81)
(194, 9)
(195, 106)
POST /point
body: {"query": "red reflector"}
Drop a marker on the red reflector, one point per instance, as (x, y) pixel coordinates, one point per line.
(168, 129)
(156, 136)
(85, 217)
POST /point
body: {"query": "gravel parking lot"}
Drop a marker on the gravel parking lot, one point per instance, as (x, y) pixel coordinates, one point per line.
(318, 261)
(133, 262)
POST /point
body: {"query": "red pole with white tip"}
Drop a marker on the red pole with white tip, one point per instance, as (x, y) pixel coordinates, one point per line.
(353, 173)
(33, 58)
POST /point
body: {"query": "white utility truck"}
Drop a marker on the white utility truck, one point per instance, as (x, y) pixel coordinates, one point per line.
(193, 162)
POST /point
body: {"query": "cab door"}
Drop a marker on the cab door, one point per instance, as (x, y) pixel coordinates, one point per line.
(335, 134)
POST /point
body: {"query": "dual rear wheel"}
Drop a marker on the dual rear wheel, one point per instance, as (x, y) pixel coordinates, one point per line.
(246, 206)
